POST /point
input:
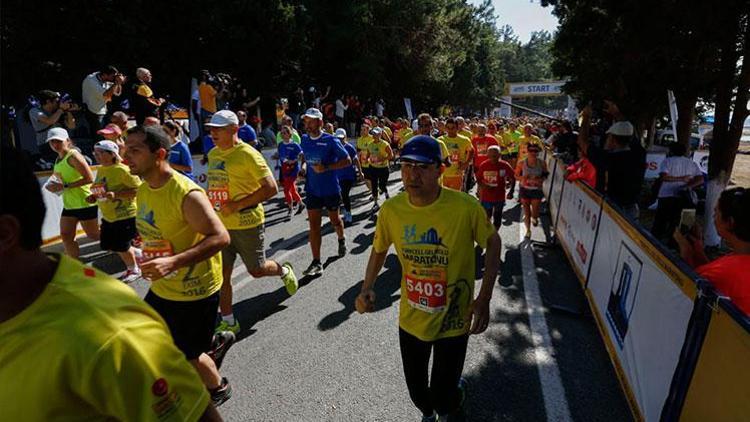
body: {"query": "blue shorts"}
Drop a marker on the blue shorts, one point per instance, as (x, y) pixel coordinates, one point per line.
(331, 203)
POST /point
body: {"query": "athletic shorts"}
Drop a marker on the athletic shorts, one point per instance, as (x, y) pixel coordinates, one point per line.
(116, 236)
(530, 194)
(366, 172)
(82, 214)
(248, 244)
(488, 205)
(331, 203)
(191, 323)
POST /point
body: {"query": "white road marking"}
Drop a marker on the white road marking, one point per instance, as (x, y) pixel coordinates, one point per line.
(553, 392)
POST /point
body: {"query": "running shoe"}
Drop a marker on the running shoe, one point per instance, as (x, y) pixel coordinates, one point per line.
(290, 280)
(290, 213)
(315, 268)
(130, 276)
(220, 344)
(342, 247)
(221, 393)
(300, 208)
(347, 217)
(225, 326)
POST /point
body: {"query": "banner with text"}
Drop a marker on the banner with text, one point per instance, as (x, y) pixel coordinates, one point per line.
(580, 210)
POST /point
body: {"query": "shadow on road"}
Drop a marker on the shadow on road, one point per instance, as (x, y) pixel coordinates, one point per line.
(387, 284)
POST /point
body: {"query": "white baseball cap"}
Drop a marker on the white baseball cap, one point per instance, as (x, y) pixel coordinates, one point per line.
(108, 146)
(223, 118)
(376, 131)
(340, 133)
(313, 113)
(57, 133)
(623, 128)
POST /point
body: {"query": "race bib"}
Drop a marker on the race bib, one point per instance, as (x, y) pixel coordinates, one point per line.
(454, 156)
(490, 177)
(533, 182)
(153, 249)
(218, 196)
(482, 149)
(99, 190)
(374, 159)
(427, 291)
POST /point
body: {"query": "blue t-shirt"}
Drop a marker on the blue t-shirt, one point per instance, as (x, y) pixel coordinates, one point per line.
(180, 154)
(348, 173)
(208, 143)
(247, 134)
(290, 151)
(325, 150)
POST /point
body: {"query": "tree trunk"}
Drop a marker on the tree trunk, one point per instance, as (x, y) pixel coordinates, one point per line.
(685, 113)
(726, 135)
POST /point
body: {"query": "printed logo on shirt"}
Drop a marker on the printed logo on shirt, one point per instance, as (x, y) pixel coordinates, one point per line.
(160, 387)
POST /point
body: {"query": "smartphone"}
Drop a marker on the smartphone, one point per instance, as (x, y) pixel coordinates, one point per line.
(687, 221)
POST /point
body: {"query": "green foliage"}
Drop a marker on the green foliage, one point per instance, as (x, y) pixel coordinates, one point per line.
(434, 51)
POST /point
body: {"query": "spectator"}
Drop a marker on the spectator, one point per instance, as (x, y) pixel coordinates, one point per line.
(582, 170)
(379, 108)
(564, 142)
(296, 107)
(47, 115)
(340, 111)
(729, 273)
(246, 132)
(112, 132)
(678, 175)
(144, 103)
(207, 93)
(179, 153)
(620, 166)
(97, 90)
(121, 120)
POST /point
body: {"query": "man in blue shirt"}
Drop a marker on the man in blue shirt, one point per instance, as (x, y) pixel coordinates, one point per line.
(347, 175)
(245, 131)
(323, 155)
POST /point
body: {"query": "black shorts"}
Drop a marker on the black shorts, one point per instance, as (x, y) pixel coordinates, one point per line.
(116, 236)
(366, 172)
(191, 323)
(82, 214)
(530, 194)
(331, 203)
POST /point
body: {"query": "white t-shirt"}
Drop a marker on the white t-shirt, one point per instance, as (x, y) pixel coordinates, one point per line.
(379, 108)
(676, 167)
(92, 89)
(340, 109)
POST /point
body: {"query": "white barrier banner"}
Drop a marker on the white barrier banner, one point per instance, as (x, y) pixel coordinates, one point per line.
(576, 227)
(653, 160)
(557, 184)
(643, 312)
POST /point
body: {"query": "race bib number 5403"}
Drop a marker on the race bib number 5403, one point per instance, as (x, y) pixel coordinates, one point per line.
(427, 294)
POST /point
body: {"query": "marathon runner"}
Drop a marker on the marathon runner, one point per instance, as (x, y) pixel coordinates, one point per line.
(482, 142)
(434, 231)
(364, 139)
(72, 178)
(378, 154)
(461, 152)
(76, 343)
(182, 238)
(323, 155)
(531, 173)
(239, 180)
(288, 153)
(512, 136)
(492, 177)
(114, 192)
(348, 175)
(527, 139)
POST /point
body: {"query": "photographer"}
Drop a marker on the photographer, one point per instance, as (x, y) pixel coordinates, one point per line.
(47, 114)
(97, 90)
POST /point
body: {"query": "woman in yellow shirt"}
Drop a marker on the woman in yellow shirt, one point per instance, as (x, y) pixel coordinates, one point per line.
(379, 153)
(72, 177)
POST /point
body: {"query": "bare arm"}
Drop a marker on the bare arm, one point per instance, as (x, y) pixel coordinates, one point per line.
(266, 191)
(210, 415)
(77, 161)
(52, 118)
(365, 302)
(201, 218)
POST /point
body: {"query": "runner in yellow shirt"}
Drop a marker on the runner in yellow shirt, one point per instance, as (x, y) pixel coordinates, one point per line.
(378, 155)
(77, 344)
(182, 237)
(239, 180)
(362, 142)
(460, 152)
(114, 191)
(527, 139)
(434, 231)
(512, 138)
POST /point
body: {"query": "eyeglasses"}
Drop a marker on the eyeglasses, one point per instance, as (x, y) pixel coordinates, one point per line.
(411, 165)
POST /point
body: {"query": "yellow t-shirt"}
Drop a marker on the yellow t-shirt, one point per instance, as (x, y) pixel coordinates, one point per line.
(406, 136)
(435, 245)
(459, 149)
(88, 349)
(145, 91)
(444, 153)
(387, 133)
(165, 232)
(523, 145)
(362, 144)
(115, 178)
(207, 95)
(466, 132)
(232, 175)
(402, 135)
(377, 153)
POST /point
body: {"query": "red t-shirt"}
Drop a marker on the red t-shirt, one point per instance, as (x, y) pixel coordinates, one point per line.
(730, 275)
(584, 171)
(481, 145)
(493, 174)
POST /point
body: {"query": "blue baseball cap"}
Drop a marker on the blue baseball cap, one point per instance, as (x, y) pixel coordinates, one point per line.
(422, 149)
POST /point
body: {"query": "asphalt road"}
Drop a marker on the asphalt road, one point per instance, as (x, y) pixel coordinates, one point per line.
(311, 357)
